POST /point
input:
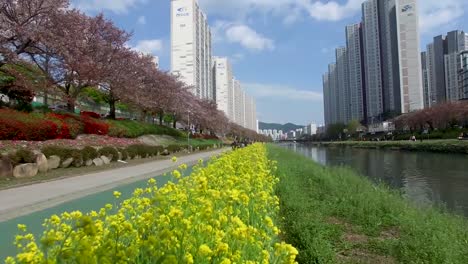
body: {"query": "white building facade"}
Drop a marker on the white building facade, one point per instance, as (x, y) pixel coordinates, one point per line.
(223, 85)
(191, 47)
(411, 85)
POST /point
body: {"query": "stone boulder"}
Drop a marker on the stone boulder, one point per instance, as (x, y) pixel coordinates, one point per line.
(98, 162)
(89, 163)
(53, 162)
(78, 163)
(165, 153)
(6, 168)
(106, 160)
(42, 163)
(27, 170)
(119, 157)
(66, 163)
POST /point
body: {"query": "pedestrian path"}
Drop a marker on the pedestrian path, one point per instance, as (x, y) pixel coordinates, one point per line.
(25, 200)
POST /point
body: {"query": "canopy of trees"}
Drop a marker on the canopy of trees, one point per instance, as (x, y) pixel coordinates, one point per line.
(74, 52)
(442, 116)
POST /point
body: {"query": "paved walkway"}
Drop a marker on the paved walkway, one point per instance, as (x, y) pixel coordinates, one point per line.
(32, 198)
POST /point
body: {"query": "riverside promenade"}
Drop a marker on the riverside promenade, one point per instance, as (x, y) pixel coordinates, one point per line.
(28, 199)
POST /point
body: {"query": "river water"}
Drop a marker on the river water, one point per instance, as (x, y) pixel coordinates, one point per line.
(424, 178)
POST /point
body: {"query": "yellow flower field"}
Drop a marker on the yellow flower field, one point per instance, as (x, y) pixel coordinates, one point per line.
(225, 212)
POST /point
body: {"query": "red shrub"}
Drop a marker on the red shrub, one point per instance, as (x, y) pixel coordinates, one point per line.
(90, 114)
(93, 126)
(20, 126)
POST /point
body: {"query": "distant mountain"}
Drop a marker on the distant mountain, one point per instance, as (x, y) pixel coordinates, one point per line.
(285, 128)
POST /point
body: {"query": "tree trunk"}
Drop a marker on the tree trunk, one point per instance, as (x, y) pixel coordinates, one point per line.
(46, 99)
(174, 124)
(161, 116)
(112, 109)
(71, 106)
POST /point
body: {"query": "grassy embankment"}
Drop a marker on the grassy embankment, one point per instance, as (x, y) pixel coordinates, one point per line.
(333, 215)
(440, 146)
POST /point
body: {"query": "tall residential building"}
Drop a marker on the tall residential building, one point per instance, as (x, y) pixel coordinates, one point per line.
(191, 47)
(425, 78)
(344, 113)
(333, 94)
(463, 77)
(223, 86)
(445, 50)
(457, 41)
(356, 85)
(411, 86)
(392, 58)
(326, 100)
(372, 60)
(389, 42)
(431, 75)
(239, 115)
(250, 113)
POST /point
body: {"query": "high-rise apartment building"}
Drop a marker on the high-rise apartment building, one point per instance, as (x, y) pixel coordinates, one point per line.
(443, 74)
(372, 60)
(191, 47)
(326, 100)
(389, 44)
(250, 113)
(463, 76)
(344, 110)
(392, 58)
(356, 83)
(425, 78)
(333, 94)
(383, 77)
(239, 106)
(411, 86)
(223, 86)
(456, 43)
(430, 76)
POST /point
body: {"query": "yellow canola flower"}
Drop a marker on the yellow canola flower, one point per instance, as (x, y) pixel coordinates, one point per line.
(226, 212)
(174, 159)
(205, 250)
(117, 194)
(22, 227)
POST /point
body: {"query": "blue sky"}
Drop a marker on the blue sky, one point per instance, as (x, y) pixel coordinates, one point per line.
(279, 48)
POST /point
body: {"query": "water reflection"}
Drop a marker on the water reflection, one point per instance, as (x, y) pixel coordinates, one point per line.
(424, 178)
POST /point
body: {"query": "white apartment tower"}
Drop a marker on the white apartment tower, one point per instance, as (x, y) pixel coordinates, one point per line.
(239, 108)
(191, 47)
(409, 55)
(223, 86)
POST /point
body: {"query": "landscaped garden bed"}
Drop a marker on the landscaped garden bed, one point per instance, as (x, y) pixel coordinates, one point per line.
(16, 125)
(29, 160)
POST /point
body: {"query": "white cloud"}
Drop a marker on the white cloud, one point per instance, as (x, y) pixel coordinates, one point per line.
(282, 92)
(241, 34)
(149, 46)
(433, 13)
(290, 10)
(117, 6)
(248, 38)
(141, 20)
(437, 13)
